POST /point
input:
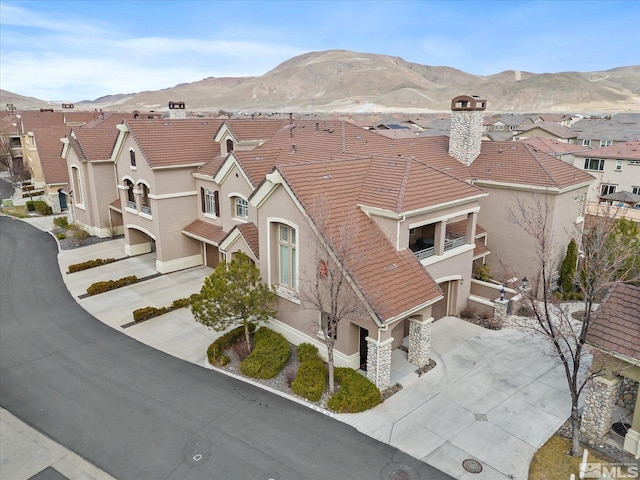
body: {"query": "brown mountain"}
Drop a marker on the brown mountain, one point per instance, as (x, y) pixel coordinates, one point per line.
(340, 80)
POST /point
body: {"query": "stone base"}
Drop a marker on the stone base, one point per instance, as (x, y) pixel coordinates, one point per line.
(379, 362)
(419, 341)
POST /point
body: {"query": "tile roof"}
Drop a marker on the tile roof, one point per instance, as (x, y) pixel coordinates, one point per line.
(520, 163)
(393, 281)
(205, 231)
(249, 232)
(553, 147)
(245, 129)
(54, 167)
(166, 142)
(616, 327)
(32, 119)
(620, 128)
(627, 150)
(93, 143)
(553, 128)
(79, 117)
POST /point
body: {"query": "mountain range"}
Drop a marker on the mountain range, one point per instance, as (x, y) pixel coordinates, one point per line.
(346, 81)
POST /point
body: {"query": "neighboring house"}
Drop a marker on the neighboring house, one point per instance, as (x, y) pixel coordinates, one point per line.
(616, 168)
(615, 334)
(563, 151)
(603, 132)
(195, 192)
(551, 130)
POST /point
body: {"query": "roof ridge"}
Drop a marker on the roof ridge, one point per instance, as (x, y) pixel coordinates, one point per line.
(544, 168)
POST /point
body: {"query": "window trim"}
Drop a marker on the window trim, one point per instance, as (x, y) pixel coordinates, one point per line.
(588, 165)
(606, 143)
(77, 187)
(618, 166)
(608, 186)
(243, 204)
(210, 198)
(586, 142)
(132, 159)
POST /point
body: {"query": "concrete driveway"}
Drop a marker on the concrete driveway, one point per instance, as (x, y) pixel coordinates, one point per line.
(494, 396)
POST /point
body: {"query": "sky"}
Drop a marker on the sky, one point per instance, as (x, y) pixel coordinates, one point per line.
(80, 50)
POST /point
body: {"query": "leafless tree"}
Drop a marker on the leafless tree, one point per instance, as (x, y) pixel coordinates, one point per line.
(336, 256)
(603, 262)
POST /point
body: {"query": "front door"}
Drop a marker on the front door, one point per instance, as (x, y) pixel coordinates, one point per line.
(364, 333)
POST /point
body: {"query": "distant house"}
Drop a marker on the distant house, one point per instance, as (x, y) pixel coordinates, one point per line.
(551, 130)
(616, 168)
(603, 132)
(615, 333)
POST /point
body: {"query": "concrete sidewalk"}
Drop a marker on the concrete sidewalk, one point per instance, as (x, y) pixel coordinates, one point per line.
(494, 396)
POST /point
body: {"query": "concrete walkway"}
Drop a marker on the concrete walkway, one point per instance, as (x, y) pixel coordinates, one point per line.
(494, 396)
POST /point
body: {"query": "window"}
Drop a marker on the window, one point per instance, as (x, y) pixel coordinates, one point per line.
(131, 199)
(287, 263)
(606, 143)
(513, 127)
(586, 142)
(146, 206)
(618, 165)
(77, 186)
(242, 208)
(229, 145)
(607, 189)
(635, 190)
(132, 155)
(498, 127)
(209, 202)
(594, 164)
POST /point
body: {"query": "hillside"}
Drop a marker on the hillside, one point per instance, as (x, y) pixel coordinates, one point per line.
(340, 80)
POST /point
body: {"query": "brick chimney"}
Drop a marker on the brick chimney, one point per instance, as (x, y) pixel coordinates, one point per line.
(465, 136)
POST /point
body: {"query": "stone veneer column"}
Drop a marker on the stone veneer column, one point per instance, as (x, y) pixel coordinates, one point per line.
(599, 402)
(379, 362)
(419, 341)
(500, 310)
(55, 203)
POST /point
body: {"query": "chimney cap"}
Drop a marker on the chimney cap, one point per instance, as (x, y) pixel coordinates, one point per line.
(468, 102)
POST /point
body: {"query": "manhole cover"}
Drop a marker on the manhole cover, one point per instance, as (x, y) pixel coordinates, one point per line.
(398, 471)
(620, 428)
(471, 465)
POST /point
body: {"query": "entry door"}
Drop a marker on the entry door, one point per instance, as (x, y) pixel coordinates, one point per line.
(364, 333)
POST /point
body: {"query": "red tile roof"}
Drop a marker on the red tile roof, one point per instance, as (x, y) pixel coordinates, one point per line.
(553, 147)
(616, 327)
(627, 151)
(166, 142)
(54, 167)
(205, 231)
(93, 143)
(254, 129)
(249, 232)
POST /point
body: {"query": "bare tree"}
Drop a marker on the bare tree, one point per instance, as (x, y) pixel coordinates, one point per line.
(604, 261)
(336, 256)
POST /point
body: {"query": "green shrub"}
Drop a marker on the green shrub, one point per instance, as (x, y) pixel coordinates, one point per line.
(77, 267)
(61, 222)
(215, 352)
(145, 313)
(270, 354)
(60, 236)
(31, 206)
(77, 233)
(483, 273)
(183, 302)
(42, 207)
(307, 351)
(311, 380)
(100, 287)
(357, 393)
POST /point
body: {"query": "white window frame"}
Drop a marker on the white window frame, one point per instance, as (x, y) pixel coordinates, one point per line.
(498, 127)
(606, 143)
(77, 187)
(288, 243)
(609, 187)
(618, 165)
(586, 142)
(210, 202)
(588, 166)
(241, 208)
(635, 189)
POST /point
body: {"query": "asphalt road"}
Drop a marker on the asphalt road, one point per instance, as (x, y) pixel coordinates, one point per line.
(6, 189)
(138, 413)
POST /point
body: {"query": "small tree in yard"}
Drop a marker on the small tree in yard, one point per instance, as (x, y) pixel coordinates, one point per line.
(605, 260)
(234, 295)
(331, 294)
(568, 269)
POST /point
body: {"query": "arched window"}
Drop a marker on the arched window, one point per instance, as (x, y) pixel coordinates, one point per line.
(131, 199)
(146, 206)
(287, 258)
(77, 186)
(242, 207)
(229, 145)
(132, 155)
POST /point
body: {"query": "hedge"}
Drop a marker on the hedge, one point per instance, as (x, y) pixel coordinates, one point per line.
(100, 287)
(61, 222)
(357, 393)
(311, 378)
(215, 352)
(145, 313)
(270, 354)
(77, 267)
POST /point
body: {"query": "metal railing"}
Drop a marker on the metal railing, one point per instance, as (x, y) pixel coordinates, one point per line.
(146, 210)
(449, 244)
(132, 205)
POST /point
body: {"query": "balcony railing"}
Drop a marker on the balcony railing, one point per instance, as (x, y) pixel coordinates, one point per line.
(132, 205)
(146, 210)
(449, 243)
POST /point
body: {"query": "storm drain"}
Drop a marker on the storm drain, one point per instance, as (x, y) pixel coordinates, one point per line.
(398, 471)
(471, 465)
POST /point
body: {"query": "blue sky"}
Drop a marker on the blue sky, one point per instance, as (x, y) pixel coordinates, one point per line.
(76, 50)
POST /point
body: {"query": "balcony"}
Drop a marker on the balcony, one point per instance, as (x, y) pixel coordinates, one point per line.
(146, 210)
(424, 248)
(132, 205)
